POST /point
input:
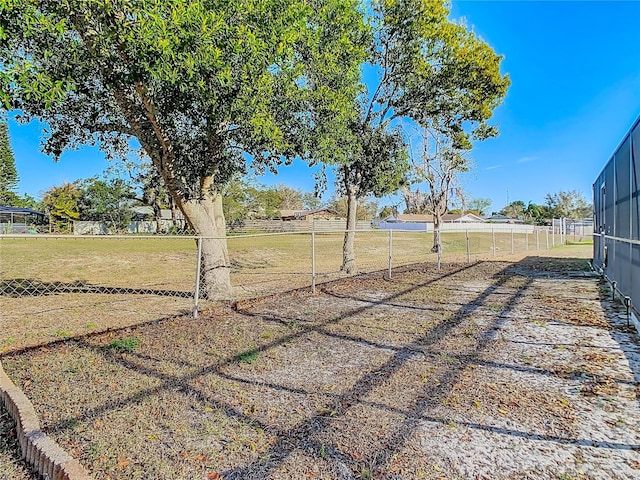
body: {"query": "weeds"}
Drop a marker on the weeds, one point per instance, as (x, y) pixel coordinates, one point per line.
(124, 345)
(249, 356)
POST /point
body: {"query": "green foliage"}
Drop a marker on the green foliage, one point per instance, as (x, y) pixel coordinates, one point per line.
(246, 198)
(143, 177)
(446, 81)
(366, 208)
(61, 203)
(514, 210)
(479, 206)
(442, 75)
(264, 203)
(248, 356)
(386, 211)
(27, 201)
(124, 344)
(377, 164)
(107, 201)
(197, 83)
(570, 204)
(8, 172)
(310, 201)
(235, 198)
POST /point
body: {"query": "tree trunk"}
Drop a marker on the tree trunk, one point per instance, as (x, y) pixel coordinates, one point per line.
(437, 247)
(207, 219)
(174, 214)
(348, 250)
(157, 214)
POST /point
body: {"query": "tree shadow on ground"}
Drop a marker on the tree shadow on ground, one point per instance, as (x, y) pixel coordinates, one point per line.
(32, 287)
(306, 435)
(623, 332)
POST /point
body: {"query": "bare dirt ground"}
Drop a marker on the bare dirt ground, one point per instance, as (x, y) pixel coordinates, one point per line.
(494, 370)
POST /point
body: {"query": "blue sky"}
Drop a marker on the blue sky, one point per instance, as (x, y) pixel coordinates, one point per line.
(575, 92)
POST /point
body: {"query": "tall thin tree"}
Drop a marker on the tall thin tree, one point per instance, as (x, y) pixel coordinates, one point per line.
(8, 172)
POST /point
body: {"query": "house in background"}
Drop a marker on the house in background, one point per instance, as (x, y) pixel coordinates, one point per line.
(20, 220)
(499, 218)
(143, 220)
(410, 221)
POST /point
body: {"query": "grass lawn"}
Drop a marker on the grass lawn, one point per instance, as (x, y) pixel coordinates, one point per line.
(55, 288)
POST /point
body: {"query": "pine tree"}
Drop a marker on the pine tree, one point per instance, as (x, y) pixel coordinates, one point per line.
(8, 172)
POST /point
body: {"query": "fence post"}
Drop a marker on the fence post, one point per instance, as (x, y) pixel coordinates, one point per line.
(196, 295)
(390, 251)
(537, 239)
(313, 261)
(526, 241)
(493, 240)
(512, 245)
(468, 247)
(547, 236)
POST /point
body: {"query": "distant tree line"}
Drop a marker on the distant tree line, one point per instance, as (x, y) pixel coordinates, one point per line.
(110, 200)
(569, 204)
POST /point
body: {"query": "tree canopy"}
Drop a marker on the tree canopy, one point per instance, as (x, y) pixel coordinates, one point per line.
(201, 85)
(571, 204)
(61, 203)
(107, 201)
(198, 84)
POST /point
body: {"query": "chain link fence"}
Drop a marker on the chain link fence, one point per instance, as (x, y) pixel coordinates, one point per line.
(56, 286)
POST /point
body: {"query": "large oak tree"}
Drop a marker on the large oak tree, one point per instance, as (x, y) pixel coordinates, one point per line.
(199, 84)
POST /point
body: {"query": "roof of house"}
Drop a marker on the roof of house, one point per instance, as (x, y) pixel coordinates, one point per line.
(499, 218)
(7, 209)
(468, 217)
(414, 217)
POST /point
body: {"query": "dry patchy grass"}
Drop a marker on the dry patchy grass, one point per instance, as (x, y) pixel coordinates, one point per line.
(308, 386)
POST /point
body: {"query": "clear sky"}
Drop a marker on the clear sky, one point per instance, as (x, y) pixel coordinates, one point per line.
(575, 92)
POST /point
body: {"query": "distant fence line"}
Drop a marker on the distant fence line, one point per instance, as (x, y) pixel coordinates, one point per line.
(569, 227)
(267, 226)
(73, 284)
(260, 264)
